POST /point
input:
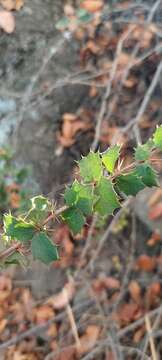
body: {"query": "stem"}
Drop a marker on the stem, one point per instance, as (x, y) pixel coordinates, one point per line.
(56, 213)
(7, 252)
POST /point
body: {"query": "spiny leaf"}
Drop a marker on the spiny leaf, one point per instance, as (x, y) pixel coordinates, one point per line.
(110, 157)
(107, 198)
(142, 153)
(43, 249)
(18, 229)
(74, 218)
(91, 167)
(129, 184)
(157, 137)
(147, 174)
(81, 196)
(40, 207)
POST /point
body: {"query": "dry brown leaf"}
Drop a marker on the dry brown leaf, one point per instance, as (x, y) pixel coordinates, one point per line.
(12, 4)
(92, 5)
(67, 354)
(138, 335)
(152, 294)
(155, 212)
(7, 21)
(154, 239)
(135, 291)
(61, 300)
(43, 313)
(71, 125)
(88, 340)
(127, 313)
(106, 283)
(3, 324)
(146, 263)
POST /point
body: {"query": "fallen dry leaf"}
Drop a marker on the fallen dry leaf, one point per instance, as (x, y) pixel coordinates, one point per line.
(127, 313)
(12, 4)
(104, 282)
(71, 125)
(135, 291)
(43, 313)
(67, 354)
(146, 263)
(154, 239)
(7, 21)
(3, 324)
(61, 300)
(88, 340)
(155, 212)
(152, 294)
(92, 5)
(138, 335)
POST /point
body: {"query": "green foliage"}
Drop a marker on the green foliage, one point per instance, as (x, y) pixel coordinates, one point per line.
(110, 157)
(147, 174)
(99, 190)
(107, 198)
(129, 184)
(81, 196)
(157, 137)
(74, 218)
(18, 229)
(91, 167)
(43, 249)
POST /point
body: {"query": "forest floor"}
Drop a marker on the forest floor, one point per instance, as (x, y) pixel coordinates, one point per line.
(102, 300)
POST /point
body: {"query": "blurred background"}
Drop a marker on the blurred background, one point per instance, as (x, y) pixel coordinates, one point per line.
(75, 76)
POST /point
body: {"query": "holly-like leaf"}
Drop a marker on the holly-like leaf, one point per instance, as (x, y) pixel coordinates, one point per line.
(147, 174)
(110, 157)
(142, 153)
(18, 229)
(129, 184)
(91, 167)
(81, 196)
(74, 218)
(107, 198)
(40, 207)
(43, 249)
(157, 137)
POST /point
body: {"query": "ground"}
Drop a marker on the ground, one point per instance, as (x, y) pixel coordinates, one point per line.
(56, 88)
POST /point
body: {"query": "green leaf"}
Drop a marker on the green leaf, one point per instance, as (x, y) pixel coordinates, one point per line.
(74, 218)
(81, 196)
(43, 249)
(91, 167)
(142, 153)
(147, 174)
(157, 137)
(40, 208)
(129, 184)
(18, 229)
(110, 157)
(107, 198)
